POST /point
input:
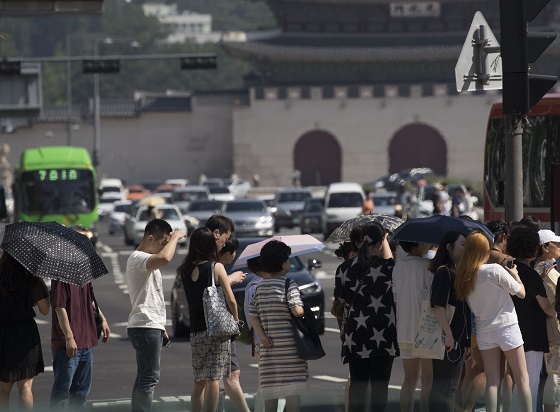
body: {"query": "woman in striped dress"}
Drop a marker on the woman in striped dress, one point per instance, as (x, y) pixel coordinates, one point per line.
(282, 373)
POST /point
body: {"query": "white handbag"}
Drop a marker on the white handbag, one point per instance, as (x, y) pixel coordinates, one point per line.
(429, 342)
(219, 320)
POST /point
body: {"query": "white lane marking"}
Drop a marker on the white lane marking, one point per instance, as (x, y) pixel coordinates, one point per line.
(120, 324)
(168, 277)
(334, 330)
(115, 336)
(254, 365)
(48, 368)
(329, 378)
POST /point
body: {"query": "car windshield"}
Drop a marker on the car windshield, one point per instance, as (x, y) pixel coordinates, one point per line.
(103, 200)
(313, 206)
(286, 197)
(189, 196)
(217, 189)
(351, 199)
(200, 206)
(122, 208)
(384, 200)
(167, 214)
(109, 189)
(244, 207)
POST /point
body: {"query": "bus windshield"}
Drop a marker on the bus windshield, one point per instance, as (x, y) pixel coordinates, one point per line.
(57, 191)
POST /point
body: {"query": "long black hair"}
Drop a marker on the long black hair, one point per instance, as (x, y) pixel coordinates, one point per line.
(202, 246)
(443, 255)
(14, 278)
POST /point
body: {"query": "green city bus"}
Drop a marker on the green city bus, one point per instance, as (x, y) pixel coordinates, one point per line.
(56, 183)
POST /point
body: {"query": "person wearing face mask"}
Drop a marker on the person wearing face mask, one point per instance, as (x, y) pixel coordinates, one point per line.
(447, 372)
(369, 333)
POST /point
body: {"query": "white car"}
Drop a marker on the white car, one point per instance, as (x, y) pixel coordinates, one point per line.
(135, 225)
(220, 193)
(117, 216)
(105, 206)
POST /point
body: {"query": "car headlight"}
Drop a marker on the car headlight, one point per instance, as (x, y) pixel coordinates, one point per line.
(310, 288)
(310, 220)
(264, 221)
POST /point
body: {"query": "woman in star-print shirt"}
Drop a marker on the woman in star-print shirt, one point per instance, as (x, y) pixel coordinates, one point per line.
(369, 340)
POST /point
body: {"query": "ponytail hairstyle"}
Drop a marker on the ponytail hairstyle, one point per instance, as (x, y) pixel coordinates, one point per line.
(372, 234)
(475, 254)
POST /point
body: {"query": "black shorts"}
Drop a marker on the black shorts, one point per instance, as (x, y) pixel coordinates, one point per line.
(234, 361)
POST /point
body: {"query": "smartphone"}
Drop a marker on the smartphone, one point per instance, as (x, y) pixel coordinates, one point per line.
(509, 263)
(166, 342)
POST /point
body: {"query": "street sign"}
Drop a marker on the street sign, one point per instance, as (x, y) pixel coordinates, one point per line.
(480, 64)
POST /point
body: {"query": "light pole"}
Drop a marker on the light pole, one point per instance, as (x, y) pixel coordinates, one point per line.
(96, 99)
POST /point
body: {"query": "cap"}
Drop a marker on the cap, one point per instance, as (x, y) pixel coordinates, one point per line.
(546, 236)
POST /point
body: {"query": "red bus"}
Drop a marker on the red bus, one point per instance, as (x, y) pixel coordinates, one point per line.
(541, 164)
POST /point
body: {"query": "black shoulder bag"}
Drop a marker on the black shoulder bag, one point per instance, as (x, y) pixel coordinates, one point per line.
(306, 334)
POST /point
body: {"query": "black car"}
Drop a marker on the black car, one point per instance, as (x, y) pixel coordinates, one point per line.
(311, 291)
(311, 216)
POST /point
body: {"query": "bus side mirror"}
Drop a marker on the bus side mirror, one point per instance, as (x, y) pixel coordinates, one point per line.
(3, 208)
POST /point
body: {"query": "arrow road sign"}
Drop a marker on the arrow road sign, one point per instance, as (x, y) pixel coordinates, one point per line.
(480, 64)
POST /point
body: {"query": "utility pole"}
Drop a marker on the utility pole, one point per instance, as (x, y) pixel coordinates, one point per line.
(521, 90)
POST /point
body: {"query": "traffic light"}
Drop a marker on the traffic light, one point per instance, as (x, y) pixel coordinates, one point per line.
(519, 48)
(198, 62)
(9, 68)
(101, 66)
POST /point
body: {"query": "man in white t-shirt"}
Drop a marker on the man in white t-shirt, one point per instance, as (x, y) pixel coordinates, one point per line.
(146, 322)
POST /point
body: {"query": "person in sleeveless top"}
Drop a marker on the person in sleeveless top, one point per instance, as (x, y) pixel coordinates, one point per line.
(21, 358)
(211, 356)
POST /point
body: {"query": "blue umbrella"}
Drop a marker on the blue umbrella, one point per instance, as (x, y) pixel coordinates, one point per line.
(432, 229)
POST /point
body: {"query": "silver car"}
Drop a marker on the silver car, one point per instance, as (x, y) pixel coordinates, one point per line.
(251, 217)
(203, 209)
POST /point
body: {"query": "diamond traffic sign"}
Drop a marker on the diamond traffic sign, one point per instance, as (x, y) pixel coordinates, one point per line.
(480, 64)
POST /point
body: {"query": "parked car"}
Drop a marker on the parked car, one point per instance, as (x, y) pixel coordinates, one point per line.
(135, 192)
(117, 216)
(240, 188)
(310, 288)
(311, 216)
(220, 193)
(289, 207)
(203, 209)
(135, 225)
(251, 217)
(385, 202)
(183, 196)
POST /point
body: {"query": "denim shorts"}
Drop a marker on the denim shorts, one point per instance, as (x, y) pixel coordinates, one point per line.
(505, 338)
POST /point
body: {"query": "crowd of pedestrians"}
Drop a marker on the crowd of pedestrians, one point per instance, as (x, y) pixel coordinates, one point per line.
(495, 300)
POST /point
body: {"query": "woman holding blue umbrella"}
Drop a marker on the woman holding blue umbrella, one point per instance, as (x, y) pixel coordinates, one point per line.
(21, 357)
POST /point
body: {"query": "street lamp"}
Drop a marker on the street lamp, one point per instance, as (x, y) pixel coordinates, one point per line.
(96, 122)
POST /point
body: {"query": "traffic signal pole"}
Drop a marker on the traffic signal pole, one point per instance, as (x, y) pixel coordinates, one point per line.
(514, 167)
(521, 90)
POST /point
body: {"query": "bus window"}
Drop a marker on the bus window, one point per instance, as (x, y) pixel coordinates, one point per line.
(45, 192)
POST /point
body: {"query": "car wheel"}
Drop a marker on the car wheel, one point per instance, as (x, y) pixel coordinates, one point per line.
(180, 330)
